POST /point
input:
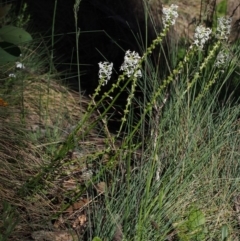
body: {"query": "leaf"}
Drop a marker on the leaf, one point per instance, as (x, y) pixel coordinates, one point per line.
(97, 239)
(10, 48)
(101, 187)
(196, 218)
(224, 232)
(14, 35)
(3, 103)
(79, 221)
(4, 10)
(5, 57)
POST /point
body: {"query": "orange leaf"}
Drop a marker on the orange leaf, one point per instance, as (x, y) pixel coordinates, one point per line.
(3, 103)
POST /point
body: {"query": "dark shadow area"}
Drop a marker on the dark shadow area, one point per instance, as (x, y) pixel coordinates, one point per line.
(107, 29)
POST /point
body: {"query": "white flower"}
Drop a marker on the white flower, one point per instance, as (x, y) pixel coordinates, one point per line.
(12, 75)
(169, 15)
(105, 72)
(19, 65)
(222, 59)
(201, 36)
(224, 27)
(130, 64)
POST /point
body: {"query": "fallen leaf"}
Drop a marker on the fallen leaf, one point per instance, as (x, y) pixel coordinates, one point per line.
(80, 204)
(77, 205)
(80, 221)
(58, 222)
(69, 210)
(101, 187)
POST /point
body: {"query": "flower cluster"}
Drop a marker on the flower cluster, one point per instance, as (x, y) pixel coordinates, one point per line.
(12, 75)
(20, 65)
(224, 27)
(222, 59)
(105, 72)
(130, 64)
(201, 36)
(169, 15)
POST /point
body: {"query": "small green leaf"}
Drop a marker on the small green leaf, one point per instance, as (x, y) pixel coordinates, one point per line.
(14, 35)
(195, 219)
(224, 232)
(97, 239)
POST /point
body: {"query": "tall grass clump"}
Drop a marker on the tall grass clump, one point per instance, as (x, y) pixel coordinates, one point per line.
(183, 183)
(169, 173)
(178, 181)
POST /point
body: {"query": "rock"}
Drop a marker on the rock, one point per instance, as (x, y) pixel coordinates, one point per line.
(233, 10)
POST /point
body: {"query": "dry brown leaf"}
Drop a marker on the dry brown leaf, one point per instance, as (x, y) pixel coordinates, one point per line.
(101, 187)
(58, 222)
(69, 210)
(77, 205)
(79, 221)
(80, 204)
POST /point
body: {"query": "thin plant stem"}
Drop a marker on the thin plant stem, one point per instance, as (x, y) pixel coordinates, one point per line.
(53, 31)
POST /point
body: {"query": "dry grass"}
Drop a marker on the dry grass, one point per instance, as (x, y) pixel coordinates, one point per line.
(31, 131)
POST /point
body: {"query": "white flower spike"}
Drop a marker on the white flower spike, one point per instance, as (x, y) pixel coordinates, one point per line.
(201, 36)
(224, 27)
(222, 59)
(170, 15)
(130, 64)
(105, 72)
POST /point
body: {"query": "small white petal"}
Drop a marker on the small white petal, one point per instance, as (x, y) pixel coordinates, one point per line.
(12, 75)
(19, 65)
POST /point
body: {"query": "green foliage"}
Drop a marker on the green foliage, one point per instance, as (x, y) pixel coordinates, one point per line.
(225, 232)
(196, 223)
(8, 52)
(193, 227)
(221, 8)
(8, 221)
(10, 38)
(23, 18)
(221, 11)
(14, 35)
(97, 239)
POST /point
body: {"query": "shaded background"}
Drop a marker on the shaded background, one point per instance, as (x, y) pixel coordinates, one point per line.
(107, 29)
